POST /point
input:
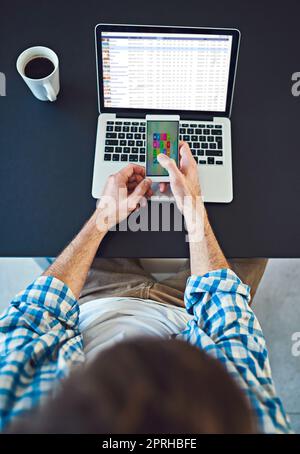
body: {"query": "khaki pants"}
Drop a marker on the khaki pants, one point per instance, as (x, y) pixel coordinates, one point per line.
(127, 278)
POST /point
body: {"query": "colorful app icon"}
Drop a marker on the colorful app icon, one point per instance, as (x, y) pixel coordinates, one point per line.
(154, 136)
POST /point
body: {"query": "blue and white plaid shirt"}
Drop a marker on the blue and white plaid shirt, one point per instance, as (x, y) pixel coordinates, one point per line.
(40, 342)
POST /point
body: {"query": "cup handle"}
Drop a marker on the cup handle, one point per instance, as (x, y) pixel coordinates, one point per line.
(50, 92)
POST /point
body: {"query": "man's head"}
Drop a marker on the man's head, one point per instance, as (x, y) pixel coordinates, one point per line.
(146, 386)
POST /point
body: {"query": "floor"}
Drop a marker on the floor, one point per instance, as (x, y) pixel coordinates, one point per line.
(277, 305)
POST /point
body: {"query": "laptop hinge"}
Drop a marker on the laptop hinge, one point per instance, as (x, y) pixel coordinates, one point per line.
(196, 117)
(130, 115)
(183, 116)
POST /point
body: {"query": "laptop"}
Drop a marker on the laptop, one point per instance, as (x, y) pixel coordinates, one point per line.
(146, 69)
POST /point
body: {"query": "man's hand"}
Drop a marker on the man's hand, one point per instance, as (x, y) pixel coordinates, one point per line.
(122, 194)
(185, 185)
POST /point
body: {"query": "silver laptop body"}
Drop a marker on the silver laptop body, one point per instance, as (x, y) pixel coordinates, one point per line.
(189, 72)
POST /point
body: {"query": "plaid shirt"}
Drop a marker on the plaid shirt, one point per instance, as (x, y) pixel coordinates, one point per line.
(40, 342)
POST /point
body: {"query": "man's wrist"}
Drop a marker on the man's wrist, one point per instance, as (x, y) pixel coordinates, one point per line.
(196, 223)
(93, 227)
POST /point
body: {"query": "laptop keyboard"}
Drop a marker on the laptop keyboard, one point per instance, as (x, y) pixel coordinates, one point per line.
(205, 141)
(125, 141)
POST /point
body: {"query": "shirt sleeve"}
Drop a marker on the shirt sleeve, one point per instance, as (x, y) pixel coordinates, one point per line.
(39, 342)
(225, 326)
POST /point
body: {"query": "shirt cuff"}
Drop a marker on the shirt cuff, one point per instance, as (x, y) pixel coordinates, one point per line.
(218, 281)
(53, 296)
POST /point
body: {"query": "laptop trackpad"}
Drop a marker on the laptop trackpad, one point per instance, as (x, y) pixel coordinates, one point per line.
(157, 193)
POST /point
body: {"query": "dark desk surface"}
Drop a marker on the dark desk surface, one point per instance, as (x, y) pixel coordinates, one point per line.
(47, 150)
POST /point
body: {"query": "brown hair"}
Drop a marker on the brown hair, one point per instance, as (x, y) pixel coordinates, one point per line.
(145, 386)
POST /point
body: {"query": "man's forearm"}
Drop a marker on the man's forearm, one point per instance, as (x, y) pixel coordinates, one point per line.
(205, 252)
(74, 262)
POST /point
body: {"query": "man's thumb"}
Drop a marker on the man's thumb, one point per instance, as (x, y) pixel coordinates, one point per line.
(167, 163)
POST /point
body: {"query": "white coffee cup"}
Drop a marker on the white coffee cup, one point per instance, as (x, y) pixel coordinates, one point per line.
(47, 88)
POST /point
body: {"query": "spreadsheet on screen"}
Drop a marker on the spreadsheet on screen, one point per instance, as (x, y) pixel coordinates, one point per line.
(165, 71)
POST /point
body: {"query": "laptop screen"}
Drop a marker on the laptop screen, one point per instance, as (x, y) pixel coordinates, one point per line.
(165, 71)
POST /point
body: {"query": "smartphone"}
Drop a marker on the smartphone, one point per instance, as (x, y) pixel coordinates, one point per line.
(162, 136)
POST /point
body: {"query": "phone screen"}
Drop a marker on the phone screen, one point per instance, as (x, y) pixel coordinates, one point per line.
(162, 137)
